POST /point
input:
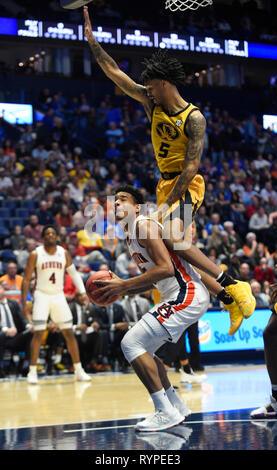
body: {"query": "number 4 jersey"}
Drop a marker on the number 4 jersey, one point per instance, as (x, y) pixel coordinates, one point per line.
(50, 270)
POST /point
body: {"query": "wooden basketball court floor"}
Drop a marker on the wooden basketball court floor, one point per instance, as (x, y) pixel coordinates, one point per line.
(61, 414)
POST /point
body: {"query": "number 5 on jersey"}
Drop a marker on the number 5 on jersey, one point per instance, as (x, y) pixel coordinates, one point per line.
(163, 150)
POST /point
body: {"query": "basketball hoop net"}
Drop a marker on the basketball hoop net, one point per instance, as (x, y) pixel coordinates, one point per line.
(183, 5)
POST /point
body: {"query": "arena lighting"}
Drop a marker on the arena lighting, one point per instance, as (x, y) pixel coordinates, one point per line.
(138, 38)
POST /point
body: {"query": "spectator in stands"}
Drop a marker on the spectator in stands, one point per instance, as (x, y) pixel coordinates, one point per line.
(45, 216)
(244, 272)
(15, 333)
(258, 223)
(40, 152)
(17, 191)
(5, 180)
(64, 217)
(262, 299)
(11, 280)
(112, 319)
(88, 334)
(75, 191)
(33, 229)
(17, 240)
(263, 272)
(134, 306)
(215, 220)
(23, 255)
(35, 191)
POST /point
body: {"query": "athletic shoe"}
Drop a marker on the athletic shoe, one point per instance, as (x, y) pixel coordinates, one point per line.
(59, 367)
(242, 295)
(235, 317)
(160, 421)
(192, 378)
(82, 376)
(266, 412)
(32, 378)
(183, 409)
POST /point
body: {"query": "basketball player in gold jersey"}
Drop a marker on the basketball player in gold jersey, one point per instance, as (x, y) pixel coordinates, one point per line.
(177, 130)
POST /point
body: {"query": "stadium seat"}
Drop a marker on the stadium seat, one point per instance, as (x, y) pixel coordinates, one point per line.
(24, 213)
(8, 204)
(5, 213)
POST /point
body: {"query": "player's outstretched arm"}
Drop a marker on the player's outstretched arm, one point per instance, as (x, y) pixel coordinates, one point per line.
(196, 128)
(111, 69)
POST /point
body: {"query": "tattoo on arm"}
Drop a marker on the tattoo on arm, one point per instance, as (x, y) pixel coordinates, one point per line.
(196, 131)
(101, 56)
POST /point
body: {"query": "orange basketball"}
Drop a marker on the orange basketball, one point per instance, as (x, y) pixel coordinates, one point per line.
(92, 287)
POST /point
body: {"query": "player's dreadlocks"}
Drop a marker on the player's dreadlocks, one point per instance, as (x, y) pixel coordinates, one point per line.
(162, 66)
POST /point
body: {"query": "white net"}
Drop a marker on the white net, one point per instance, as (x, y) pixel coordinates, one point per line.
(183, 5)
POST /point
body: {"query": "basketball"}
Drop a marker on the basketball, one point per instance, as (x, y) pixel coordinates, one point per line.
(92, 288)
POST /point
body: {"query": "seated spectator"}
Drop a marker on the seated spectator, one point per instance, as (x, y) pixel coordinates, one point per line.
(254, 206)
(112, 319)
(40, 152)
(5, 180)
(248, 193)
(134, 306)
(15, 333)
(35, 191)
(45, 216)
(250, 245)
(263, 272)
(17, 191)
(17, 240)
(214, 239)
(88, 334)
(11, 280)
(64, 218)
(244, 272)
(268, 192)
(79, 249)
(215, 220)
(121, 264)
(33, 229)
(258, 223)
(75, 191)
(23, 255)
(114, 134)
(262, 299)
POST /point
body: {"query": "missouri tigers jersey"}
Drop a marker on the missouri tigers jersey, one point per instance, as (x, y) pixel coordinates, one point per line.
(169, 138)
(50, 270)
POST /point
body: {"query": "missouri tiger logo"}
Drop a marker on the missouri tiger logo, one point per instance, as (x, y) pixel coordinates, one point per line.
(167, 131)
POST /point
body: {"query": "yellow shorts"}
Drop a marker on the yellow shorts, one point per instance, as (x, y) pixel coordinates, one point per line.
(194, 194)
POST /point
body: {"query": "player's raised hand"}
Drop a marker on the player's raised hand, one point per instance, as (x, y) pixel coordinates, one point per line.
(88, 28)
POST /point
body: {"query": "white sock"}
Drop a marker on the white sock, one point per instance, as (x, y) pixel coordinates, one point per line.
(33, 369)
(173, 396)
(161, 401)
(77, 366)
(58, 358)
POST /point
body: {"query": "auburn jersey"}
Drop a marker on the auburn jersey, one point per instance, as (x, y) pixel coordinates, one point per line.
(169, 138)
(170, 286)
(50, 270)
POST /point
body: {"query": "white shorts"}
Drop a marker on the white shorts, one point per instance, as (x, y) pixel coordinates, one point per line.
(178, 313)
(166, 322)
(54, 305)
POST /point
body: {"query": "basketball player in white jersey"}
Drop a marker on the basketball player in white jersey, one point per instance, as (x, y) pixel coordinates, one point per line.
(49, 262)
(184, 300)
